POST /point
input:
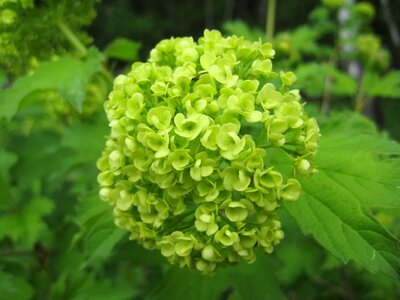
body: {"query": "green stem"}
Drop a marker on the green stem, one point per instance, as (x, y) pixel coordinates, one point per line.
(72, 38)
(359, 102)
(361, 95)
(107, 75)
(326, 98)
(270, 22)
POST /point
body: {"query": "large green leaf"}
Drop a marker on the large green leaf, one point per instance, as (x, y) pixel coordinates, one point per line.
(312, 77)
(67, 75)
(358, 170)
(26, 225)
(86, 139)
(98, 234)
(387, 85)
(13, 287)
(7, 160)
(3, 77)
(123, 49)
(241, 28)
(249, 281)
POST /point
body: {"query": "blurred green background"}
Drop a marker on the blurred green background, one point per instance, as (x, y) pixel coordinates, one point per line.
(150, 21)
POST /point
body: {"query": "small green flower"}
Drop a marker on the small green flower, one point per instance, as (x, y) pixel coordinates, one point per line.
(208, 190)
(143, 159)
(248, 238)
(187, 71)
(205, 87)
(202, 167)
(288, 78)
(7, 16)
(106, 178)
(291, 190)
(191, 126)
(223, 74)
(276, 128)
(365, 9)
(209, 139)
(229, 141)
(209, 253)
(133, 173)
(268, 97)
(160, 117)
(292, 112)
(180, 159)
(184, 247)
(244, 105)
(207, 60)
(157, 142)
(313, 135)
(236, 211)
(206, 223)
(226, 237)
(135, 106)
(334, 4)
(268, 179)
(303, 166)
(263, 67)
(236, 178)
(265, 199)
(254, 160)
(141, 72)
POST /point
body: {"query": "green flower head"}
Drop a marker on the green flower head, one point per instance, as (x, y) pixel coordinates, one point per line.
(188, 165)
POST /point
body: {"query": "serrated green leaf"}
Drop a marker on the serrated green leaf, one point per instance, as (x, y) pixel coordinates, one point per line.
(25, 225)
(3, 77)
(40, 156)
(123, 49)
(258, 280)
(241, 28)
(387, 85)
(8, 201)
(343, 84)
(98, 234)
(304, 39)
(181, 284)
(250, 281)
(356, 172)
(76, 138)
(106, 290)
(7, 160)
(67, 75)
(13, 287)
(312, 76)
(92, 284)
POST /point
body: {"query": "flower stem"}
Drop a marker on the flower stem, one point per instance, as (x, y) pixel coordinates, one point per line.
(360, 98)
(270, 22)
(72, 38)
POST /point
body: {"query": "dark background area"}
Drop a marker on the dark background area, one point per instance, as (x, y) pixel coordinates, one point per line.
(149, 21)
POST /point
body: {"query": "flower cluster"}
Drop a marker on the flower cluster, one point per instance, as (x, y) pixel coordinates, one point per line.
(334, 4)
(371, 53)
(34, 31)
(186, 165)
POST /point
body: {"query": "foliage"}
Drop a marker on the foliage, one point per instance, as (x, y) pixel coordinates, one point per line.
(22, 50)
(58, 240)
